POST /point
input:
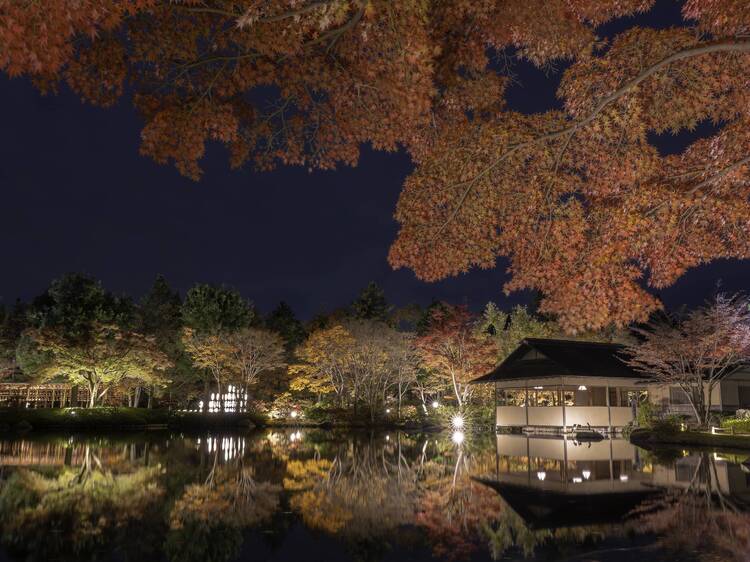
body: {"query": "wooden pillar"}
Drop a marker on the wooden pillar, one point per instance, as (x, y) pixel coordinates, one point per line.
(609, 411)
(526, 402)
(562, 397)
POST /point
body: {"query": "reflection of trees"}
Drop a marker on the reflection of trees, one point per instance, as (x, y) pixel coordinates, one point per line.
(206, 522)
(73, 510)
(700, 517)
(365, 490)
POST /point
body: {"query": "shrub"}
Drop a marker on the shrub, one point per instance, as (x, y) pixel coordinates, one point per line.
(738, 425)
(646, 415)
(667, 424)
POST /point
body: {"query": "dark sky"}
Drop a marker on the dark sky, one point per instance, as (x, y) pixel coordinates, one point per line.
(77, 196)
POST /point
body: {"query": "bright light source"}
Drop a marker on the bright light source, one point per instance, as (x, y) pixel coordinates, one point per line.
(582, 387)
(436, 404)
(541, 475)
(586, 474)
(538, 387)
(387, 437)
(458, 437)
(387, 410)
(623, 477)
(294, 413)
(577, 480)
(458, 421)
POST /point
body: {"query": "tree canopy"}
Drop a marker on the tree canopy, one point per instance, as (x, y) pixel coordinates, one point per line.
(580, 201)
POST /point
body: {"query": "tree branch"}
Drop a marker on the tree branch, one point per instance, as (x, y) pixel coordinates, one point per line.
(723, 46)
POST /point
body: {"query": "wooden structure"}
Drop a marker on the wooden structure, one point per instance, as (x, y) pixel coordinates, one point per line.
(50, 395)
(563, 385)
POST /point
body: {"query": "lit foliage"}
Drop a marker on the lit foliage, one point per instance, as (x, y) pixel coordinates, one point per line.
(578, 199)
(109, 357)
(695, 351)
(323, 362)
(256, 351)
(455, 351)
(212, 352)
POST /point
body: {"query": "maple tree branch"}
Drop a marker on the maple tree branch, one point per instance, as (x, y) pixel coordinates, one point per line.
(723, 46)
(270, 19)
(696, 188)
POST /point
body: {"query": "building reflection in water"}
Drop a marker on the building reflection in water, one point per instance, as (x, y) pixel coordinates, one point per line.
(556, 482)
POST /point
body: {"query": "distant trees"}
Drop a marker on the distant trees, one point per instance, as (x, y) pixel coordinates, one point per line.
(695, 350)
(211, 309)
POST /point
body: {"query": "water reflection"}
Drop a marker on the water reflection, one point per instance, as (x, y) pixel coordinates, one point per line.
(365, 496)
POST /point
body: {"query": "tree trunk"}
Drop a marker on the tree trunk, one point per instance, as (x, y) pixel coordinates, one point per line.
(150, 397)
(458, 394)
(137, 397)
(93, 392)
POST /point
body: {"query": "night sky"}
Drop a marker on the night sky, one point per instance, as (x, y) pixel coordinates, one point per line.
(77, 196)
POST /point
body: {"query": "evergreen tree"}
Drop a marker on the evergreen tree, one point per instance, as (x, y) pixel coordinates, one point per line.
(371, 304)
(283, 321)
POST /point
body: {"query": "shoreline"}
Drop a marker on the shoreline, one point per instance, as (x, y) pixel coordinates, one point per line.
(72, 420)
(648, 439)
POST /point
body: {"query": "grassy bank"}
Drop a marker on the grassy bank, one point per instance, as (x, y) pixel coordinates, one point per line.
(126, 419)
(115, 419)
(648, 437)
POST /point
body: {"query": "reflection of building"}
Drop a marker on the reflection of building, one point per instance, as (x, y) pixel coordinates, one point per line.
(555, 481)
(559, 482)
(559, 384)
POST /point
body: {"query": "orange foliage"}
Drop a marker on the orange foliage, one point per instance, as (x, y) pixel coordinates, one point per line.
(582, 204)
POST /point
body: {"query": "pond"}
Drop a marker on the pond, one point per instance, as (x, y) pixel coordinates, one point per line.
(294, 495)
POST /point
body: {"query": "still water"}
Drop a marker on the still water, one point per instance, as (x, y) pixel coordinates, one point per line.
(337, 496)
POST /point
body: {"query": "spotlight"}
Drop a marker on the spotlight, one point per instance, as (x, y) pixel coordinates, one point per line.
(435, 404)
(294, 413)
(541, 475)
(458, 421)
(586, 474)
(458, 437)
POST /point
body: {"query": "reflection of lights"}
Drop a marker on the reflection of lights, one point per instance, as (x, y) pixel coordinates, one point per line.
(295, 436)
(458, 437)
(458, 421)
(435, 404)
(582, 387)
(294, 413)
(577, 480)
(586, 474)
(623, 477)
(541, 475)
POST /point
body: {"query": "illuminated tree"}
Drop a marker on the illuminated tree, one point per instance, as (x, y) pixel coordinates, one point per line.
(324, 362)
(696, 350)
(455, 351)
(215, 354)
(106, 358)
(256, 351)
(578, 199)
